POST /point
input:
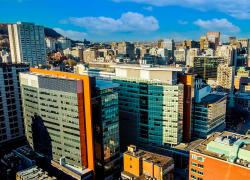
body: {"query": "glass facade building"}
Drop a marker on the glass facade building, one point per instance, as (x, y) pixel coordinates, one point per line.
(151, 113)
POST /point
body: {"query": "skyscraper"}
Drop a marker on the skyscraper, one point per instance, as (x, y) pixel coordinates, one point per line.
(11, 116)
(72, 119)
(27, 43)
(150, 105)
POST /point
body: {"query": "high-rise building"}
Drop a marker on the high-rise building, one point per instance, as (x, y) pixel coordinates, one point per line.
(150, 105)
(229, 53)
(209, 111)
(50, 43)
(204, 43)
(224, 155)
(225, 77)
(11, 116)
(140, 164)
(180, 56)
(27, 43)
(106, 130)
(72, 119)
(214, 38)
(191, 53)
(206, 66)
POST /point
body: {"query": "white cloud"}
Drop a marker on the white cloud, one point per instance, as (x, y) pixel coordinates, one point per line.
(128, 22)
(235, 8)
(74, 35)
(148, 8)
(222, 25)
(182, 22)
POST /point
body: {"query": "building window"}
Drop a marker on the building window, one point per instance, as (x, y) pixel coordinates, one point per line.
(193, 177)
(194, 164)
(199, 172)
(200, 178)
(200, 166)
(193, 170)
(130, 166)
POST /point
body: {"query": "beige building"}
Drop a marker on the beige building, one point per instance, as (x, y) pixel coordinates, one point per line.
(191, 53)
(89, 55)
(225, 77)
(228, 53)
(242, 76)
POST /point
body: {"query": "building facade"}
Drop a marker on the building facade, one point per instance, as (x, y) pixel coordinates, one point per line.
(139, 164)
(11, 116)
(225, 77)
(223, 155)
(150, 106)
(27, 43)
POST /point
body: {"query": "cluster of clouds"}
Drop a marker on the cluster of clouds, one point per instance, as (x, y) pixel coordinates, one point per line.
(128, 22)
(133, 22)
(235, 8)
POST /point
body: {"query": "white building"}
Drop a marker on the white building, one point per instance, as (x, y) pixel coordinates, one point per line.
(191, 53)
(227, 52)
(27, 43)
(64, 42)
(50, 43)
(180, 55)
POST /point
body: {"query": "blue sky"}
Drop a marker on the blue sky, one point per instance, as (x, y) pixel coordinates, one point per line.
(108, 20)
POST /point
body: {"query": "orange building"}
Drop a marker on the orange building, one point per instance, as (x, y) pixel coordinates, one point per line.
(66, 119)
(222, 156)
(139, 164)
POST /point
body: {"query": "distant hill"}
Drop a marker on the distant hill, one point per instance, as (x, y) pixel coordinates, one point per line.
(51, 33)
(48, 31)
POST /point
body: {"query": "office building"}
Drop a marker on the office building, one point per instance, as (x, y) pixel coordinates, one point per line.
(242, 77)
(214, 38)
(127, 49)
(27, 43)
(204, 43)
(225, 77)
(106, 130)
(206, 66)
(64, 43)
(209, 111)
(180, 56)
(224, 155)
(140, 164)
(150, 105)
(11, 117)
(229, 53)
(64, 119)
(191, 53)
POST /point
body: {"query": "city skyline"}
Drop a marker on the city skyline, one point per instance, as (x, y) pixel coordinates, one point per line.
(133, 20)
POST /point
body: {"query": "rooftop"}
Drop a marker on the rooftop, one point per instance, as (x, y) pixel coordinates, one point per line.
(157, 159)
(212, 98)
(102, 84)
(227, 146)
(151, 68)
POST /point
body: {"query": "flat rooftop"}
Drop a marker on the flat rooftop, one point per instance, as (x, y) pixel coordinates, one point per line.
(151, 68)
(102, 84)
(212, 98)
(226, 146)
(157, 159)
